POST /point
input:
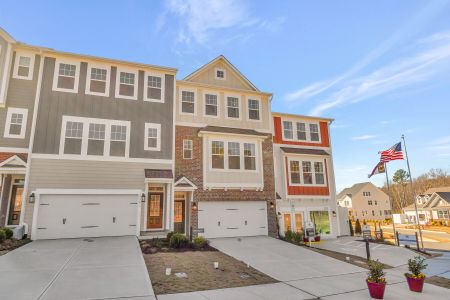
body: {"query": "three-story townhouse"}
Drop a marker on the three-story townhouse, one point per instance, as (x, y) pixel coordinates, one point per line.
(304, 174)
(224, 183)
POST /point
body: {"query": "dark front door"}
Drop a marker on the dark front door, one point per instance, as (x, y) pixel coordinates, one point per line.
(15, 205)
(155, 210)
(179, 216)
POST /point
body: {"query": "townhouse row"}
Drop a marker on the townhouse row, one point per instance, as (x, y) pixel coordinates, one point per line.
(91, 147)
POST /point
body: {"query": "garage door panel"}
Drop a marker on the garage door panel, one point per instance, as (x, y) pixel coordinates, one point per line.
(229, 219)
(71, 216)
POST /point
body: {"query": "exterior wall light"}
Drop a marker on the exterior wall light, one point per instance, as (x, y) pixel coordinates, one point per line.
(334, 214)
(194, 206)
(143, 197)
(32, 198)
(272, 205)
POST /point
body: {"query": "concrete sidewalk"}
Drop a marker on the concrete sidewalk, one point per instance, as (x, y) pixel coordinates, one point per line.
(100, 268)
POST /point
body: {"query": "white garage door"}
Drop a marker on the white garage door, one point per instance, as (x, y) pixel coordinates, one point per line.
(232, 218)
(73, 216)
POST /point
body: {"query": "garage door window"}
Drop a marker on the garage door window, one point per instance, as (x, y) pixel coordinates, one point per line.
(321, 221)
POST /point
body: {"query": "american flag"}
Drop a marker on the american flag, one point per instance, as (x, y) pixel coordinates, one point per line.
(393, 153)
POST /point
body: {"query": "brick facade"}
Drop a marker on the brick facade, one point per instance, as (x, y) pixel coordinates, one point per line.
(193, 170)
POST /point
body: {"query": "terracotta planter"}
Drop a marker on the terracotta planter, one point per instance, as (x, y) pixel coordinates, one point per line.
(376, 290)
(415, 284)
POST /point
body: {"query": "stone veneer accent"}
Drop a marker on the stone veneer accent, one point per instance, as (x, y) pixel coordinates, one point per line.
(193, 170)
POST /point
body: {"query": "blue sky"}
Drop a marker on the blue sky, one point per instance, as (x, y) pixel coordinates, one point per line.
(379, 68)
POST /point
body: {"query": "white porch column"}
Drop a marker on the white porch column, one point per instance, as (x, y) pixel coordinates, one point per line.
(169, 206)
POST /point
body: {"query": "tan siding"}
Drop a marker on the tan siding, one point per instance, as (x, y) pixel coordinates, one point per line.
(232, 80)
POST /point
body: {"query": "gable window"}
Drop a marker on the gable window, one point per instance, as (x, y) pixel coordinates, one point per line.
(97, 82)
(220, 74)
(126, 84)
(74, 137)
(16, 123)
(314, 132)
(152, 137)
(118, 143)
(294, 167)
(366, 194)
(154, 88)
(187, 102)
(301, 131)
(234, 156)
(23, 66)
(287, 130)
(211, 105)
(96, 140)
(233, 107)
(217, 153)
(253, 109)
(187, 149)
(66, 76)
(249, 156)
(318, 172)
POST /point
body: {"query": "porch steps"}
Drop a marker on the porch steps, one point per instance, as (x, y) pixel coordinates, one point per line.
(148, 235)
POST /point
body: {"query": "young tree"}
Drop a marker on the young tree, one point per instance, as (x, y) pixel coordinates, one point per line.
(358, 230)
(352, 233)
(401, 178)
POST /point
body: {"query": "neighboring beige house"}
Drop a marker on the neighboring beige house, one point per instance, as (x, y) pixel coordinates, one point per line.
(433, 205)
(365, 202)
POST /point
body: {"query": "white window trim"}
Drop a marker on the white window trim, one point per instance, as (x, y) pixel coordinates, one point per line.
(204, 104)
(294, 129)
(23, 129)
(259, 109)
(59, 61)
(239, 106)
(192, 149)
(85, 136)
(136, 83)
(158, 141)
(224, 74)
(163, 84)
(241, 155)
(31, 56)
(313, 172)
(88, 79)
(180, 96)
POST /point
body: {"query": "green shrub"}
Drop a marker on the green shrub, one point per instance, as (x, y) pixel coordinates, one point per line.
(200, 242)
(376, 273)
(288, 235)
(178, 240)
(358, 229)
(8, 232)
(416, 266)
(297, 237)
(352, 233)
(2, 236)
(169, 235)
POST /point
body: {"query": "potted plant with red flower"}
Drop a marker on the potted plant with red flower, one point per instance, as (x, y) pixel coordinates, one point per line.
(416, 278)
(376, 280)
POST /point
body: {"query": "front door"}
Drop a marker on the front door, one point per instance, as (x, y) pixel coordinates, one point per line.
(155, 210)
(15, 206)
(298, 222)
(287, 222)
(179, 216)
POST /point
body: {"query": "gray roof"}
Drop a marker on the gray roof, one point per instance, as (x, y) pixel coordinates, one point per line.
(232, 130)
(304, 151)
(436, 189)
(352, 190)
(158, 173)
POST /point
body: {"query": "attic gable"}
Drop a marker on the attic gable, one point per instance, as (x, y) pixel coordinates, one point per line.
(232, 77)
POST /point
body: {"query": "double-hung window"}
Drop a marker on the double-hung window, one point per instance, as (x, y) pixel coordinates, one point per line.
(154, 87)
(118, 142)
(253, 109)
(318, 172)
(249, 156)
(188, 102)
(233, 107)
(152, 137)
(16, 123)
(305, 172)
(23, 66)
(234, 156)
(187, 149)
(211, 105)
(66, 76)
(217, 155)
(294, 166)
(96, 140)
(73, 137)
(288, 132)
(126, 84)
(314, 132)
(301, 131)
(97, 82)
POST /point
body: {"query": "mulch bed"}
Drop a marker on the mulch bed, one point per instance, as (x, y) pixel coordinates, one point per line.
(9, 245)
(439, 281)
(198, 264)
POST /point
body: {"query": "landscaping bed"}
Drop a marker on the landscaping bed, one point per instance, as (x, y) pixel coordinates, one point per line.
(439, 281)
(7, 243)
(192, 268)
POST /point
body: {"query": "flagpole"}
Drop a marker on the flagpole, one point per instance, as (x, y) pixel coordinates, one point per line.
(414, 192)
(390, 201)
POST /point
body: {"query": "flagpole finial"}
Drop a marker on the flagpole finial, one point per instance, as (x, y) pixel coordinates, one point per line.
(403, 136)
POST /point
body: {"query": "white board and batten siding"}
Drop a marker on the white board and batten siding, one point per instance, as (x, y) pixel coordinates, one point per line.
(72, 214)
(232, 218)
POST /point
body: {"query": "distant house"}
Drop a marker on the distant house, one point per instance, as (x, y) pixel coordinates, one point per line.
(433, 205)
(365, 202)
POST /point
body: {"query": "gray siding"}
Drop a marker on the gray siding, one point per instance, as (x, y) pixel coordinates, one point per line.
(3, 50)
(21, 94)
(53, 105)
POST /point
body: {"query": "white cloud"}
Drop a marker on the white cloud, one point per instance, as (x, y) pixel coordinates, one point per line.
(363, 137)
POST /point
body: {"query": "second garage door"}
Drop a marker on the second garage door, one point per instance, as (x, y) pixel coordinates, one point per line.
(232, 218)
(73, 216)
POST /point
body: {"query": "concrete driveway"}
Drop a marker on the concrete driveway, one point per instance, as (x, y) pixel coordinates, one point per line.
(100, 268)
